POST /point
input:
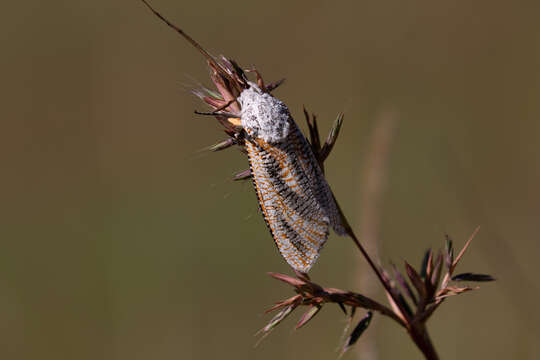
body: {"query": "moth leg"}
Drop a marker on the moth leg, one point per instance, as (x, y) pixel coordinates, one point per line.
(226, 105)
(273, 85)
(260, 82)
(215, 113)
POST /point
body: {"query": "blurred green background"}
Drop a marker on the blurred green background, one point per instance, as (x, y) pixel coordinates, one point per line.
(120, 239)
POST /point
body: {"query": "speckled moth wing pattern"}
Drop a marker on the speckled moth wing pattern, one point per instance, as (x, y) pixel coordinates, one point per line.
(294, 197)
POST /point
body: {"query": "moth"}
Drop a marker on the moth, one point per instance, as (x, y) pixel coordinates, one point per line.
(295, 200)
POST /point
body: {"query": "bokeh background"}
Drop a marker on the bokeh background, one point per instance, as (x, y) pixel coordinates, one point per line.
(121, 239)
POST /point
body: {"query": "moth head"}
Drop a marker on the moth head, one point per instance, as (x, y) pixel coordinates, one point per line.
(263, 116)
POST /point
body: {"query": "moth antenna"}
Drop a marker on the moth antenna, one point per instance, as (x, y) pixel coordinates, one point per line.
(208, 57)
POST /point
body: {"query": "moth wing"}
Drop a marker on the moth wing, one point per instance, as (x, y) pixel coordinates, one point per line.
(316, 185)
(284, 181)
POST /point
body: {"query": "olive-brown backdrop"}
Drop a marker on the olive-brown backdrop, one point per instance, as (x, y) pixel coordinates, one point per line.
(120, 239)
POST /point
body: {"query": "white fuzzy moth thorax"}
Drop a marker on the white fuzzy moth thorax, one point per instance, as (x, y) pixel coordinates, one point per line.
(263, 116)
